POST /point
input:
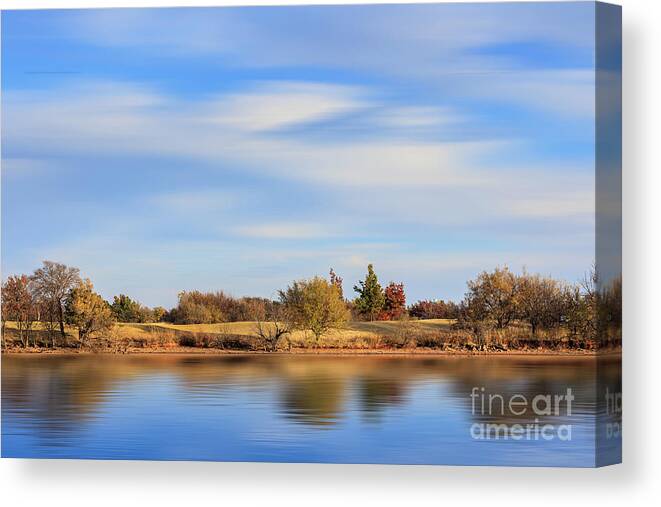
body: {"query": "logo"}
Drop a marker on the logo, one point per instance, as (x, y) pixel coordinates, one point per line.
(505, 408)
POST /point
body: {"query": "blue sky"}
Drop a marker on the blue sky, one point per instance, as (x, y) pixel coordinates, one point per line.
(241, 148)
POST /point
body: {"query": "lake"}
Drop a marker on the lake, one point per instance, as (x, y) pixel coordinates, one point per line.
(309, 408)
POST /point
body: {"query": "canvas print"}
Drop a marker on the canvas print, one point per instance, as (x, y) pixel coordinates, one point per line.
(383, 234)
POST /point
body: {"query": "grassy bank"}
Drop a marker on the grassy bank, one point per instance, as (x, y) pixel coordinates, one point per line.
(421, 336)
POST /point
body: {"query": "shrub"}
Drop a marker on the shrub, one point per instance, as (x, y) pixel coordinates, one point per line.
(430, 340)
(197, 307)
(427, 309)
(313, 305)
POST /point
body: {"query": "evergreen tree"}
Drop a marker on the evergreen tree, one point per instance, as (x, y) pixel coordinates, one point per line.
(125, 309)
(371, 298)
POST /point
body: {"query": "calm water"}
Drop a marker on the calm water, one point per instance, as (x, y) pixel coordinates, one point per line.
(298, 408)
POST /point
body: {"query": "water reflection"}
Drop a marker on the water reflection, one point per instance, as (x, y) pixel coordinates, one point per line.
(377, 393)
(289, 408)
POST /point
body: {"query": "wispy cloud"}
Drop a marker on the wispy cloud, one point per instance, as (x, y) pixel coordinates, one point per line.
(565, 92)
(439, 46)
(420, 179)
(110, 118)
(284, 230)
(276, 105)
(194, 201)
(104, 116)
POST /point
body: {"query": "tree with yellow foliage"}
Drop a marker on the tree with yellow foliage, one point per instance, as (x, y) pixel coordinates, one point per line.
(87, 311)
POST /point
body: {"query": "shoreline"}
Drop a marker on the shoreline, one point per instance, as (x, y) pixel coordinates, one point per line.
(317, 352)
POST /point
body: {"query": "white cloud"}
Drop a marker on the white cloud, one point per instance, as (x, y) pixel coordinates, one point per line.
(566, 92)
(421, 180)
(194, 201)
(86, 120)
(439, 46)
(378, 163)
(284, 230)
(416, 117)
(445, 29)
(282, 104)
(561, 205)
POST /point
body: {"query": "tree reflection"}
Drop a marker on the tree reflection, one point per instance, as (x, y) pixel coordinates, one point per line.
(317, 400)
(376, 394)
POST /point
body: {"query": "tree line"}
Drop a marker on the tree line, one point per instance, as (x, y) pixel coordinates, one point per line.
(56, 294)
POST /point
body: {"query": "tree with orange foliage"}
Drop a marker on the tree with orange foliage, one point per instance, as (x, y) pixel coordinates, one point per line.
(394, 307)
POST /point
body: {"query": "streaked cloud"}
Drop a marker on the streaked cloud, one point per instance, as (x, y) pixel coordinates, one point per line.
(434, 45)
(282, 104)
(195, 201)
(565, 92)
(109, 118)
(284, 230)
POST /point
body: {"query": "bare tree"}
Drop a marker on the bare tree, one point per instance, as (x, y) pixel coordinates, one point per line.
(48, 316)
(273, 328)
(589, 302)
(540, 301)
(52, 282)
(270, 333)
(590, 282)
